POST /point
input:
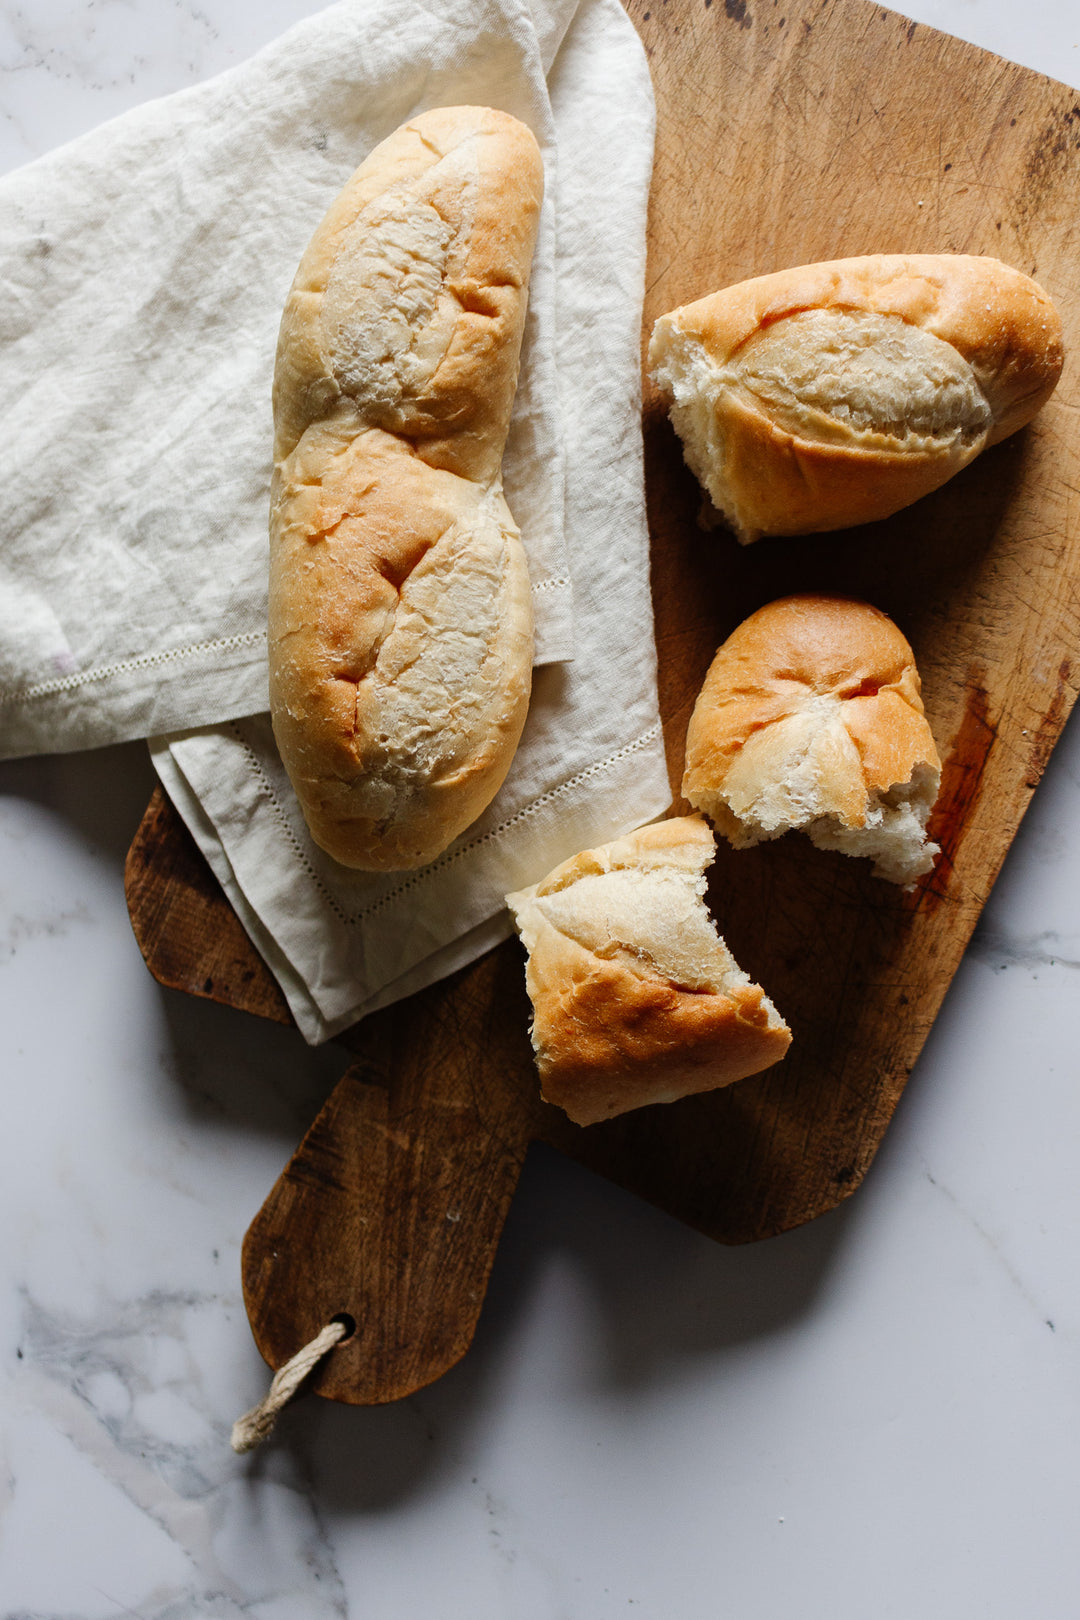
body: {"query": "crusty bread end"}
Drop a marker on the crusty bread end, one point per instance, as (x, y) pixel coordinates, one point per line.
(636, 998)
(811, 718)
(835, 394)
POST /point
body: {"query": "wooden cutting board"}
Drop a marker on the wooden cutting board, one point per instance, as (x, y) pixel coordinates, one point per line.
(788, 131)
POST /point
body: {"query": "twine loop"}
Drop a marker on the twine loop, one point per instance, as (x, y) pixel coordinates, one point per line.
(255, 1426)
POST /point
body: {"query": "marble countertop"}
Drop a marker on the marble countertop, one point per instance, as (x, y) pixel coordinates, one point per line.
(872, 1418)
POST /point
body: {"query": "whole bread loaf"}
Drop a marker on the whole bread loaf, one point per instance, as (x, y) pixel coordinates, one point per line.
(835, 394)
(811, 717)
(636, 999)
(400, 629)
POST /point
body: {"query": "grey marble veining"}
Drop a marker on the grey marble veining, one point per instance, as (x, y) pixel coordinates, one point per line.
(643, 1411)
(66, 65)
(874, 1416)
(130, 1394)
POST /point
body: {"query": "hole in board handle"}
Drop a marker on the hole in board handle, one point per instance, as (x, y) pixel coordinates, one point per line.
(348, 1323)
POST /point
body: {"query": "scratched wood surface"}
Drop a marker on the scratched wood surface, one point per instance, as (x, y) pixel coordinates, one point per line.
(787, 132)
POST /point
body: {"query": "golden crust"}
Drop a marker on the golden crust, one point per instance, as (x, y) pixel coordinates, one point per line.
(1001, 321)
(771, 473)
(811, 709)
(390, 763)
(682, 843)
(619, 1021)
(609, 1040)
(797, 648)
(400, 609)
(479, 171)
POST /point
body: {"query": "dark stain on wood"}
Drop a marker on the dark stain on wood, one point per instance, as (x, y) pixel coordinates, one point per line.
(962, 776)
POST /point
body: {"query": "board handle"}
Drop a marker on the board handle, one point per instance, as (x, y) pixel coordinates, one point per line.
(389, 1213)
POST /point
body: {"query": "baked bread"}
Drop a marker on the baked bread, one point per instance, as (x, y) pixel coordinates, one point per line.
(835, 394)
(635, 997)
(811, 717)
(400, 608)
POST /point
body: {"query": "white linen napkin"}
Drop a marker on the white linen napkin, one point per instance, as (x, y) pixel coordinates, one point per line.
(143, 269)
(153, 619)
(591, 762)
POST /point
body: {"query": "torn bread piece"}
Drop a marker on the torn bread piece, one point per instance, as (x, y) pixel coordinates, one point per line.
(636, 999)
(811, 717)
(834, 394)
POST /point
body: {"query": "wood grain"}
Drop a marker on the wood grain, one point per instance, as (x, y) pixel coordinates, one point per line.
(187, 931)
(390, 1210)
(786, 133)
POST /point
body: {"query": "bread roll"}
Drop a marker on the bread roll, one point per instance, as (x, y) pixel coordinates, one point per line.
(811, 717)
(635, 997)
(835, 394)
(400, 607)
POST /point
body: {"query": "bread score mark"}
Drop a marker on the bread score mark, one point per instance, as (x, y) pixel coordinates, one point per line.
(827, 374)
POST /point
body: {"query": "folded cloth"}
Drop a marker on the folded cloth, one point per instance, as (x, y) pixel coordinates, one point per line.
(143, 270)
(591, 764)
